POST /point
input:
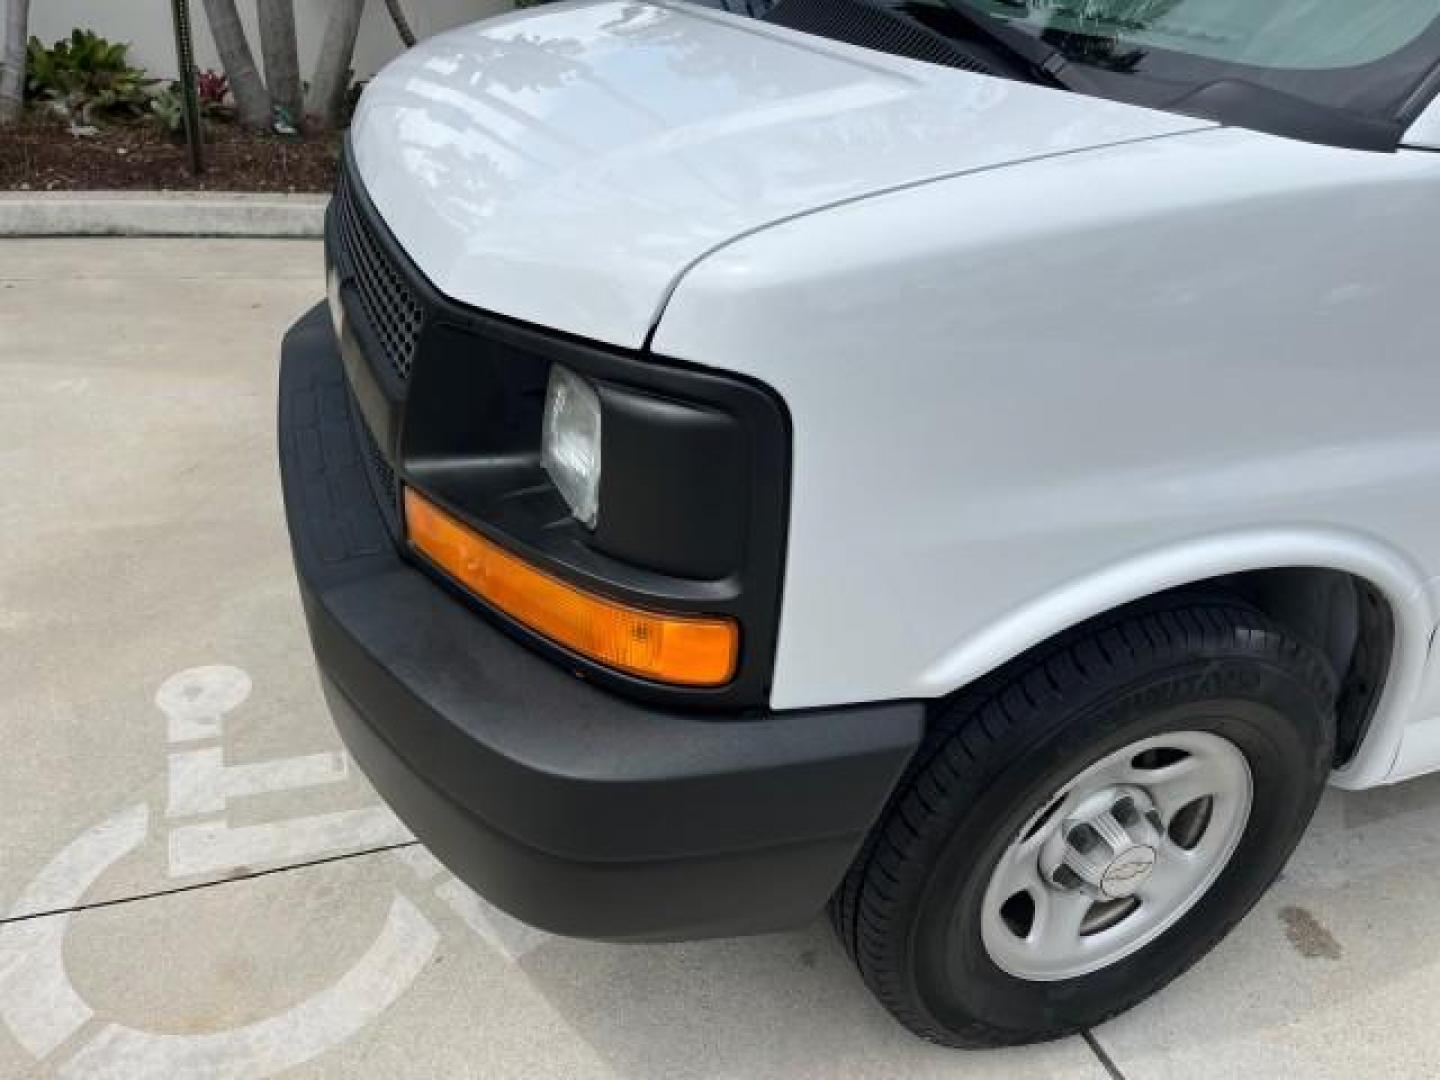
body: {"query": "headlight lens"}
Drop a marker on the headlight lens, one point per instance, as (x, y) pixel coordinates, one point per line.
(570, 442)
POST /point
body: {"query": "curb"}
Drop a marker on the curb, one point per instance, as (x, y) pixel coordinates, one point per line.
(154, 213)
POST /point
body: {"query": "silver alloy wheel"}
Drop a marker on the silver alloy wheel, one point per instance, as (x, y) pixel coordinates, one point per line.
(1115, 857)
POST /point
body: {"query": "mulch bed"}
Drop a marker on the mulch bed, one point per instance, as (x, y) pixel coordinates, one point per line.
(42, 155)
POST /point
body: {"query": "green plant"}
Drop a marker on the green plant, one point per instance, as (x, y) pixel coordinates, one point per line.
(86, 77)
(168, 109)
(167, 106)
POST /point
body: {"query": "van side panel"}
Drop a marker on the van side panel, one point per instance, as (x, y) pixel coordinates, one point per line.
(1030, 392)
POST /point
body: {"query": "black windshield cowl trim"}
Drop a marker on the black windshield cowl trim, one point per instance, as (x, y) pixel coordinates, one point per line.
(1238, 103)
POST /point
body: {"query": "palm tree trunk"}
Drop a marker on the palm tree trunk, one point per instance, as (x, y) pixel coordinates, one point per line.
(332, 66)
(281, 56)
(252, 100)
(12, 61)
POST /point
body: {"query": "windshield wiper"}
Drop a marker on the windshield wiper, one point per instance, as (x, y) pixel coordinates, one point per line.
(1037, 61)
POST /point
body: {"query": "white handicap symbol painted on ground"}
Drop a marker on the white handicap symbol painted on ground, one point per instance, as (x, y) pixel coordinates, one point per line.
(40, 1004)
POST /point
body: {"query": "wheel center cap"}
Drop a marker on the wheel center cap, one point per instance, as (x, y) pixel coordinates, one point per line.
(1124, 876)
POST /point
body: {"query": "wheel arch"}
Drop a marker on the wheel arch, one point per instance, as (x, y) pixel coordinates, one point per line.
(1378, 637)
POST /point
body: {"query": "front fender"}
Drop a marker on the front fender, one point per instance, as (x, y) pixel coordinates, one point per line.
(1398, 578)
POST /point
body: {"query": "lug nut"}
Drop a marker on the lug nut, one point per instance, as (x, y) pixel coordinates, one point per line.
(1067, 878)
(1124, 811)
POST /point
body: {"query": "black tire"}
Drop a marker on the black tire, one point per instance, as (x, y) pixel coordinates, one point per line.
(909, 909)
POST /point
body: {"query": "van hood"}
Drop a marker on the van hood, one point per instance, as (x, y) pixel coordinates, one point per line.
(566, 165)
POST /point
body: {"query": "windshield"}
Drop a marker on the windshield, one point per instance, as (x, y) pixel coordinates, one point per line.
(1362, 56)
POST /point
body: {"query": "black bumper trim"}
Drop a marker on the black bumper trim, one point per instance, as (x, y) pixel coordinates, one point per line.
(574, 809)
(722, 895)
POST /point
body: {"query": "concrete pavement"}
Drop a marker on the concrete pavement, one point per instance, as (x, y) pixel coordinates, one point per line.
(195, 880)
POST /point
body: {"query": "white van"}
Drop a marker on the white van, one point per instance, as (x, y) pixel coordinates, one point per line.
(964, 462)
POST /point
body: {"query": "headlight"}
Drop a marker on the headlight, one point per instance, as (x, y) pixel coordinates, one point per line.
(570, 443)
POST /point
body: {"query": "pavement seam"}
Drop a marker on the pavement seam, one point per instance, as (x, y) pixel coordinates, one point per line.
(250, 876)
(1099, 1052)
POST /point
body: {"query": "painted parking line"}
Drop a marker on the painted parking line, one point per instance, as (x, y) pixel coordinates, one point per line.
(50, 1018)
(216, 847)
(37, 999)
(201, 782)
(331, 1017)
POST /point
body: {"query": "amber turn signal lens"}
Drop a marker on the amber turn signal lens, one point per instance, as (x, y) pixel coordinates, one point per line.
(681, 649)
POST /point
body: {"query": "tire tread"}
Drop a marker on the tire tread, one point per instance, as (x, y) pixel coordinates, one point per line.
(964, 748)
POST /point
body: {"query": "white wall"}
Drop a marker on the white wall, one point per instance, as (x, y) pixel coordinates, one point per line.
(146, 25)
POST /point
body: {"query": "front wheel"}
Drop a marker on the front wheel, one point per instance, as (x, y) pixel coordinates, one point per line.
(1086, 825)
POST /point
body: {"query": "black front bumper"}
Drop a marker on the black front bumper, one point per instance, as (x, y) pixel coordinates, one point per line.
(571, 808)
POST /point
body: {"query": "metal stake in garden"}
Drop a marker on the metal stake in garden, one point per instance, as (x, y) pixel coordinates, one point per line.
(189, 96)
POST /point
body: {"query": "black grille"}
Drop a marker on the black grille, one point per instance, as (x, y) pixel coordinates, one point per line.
(393, 311)
(870, 26)
(382, 473)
